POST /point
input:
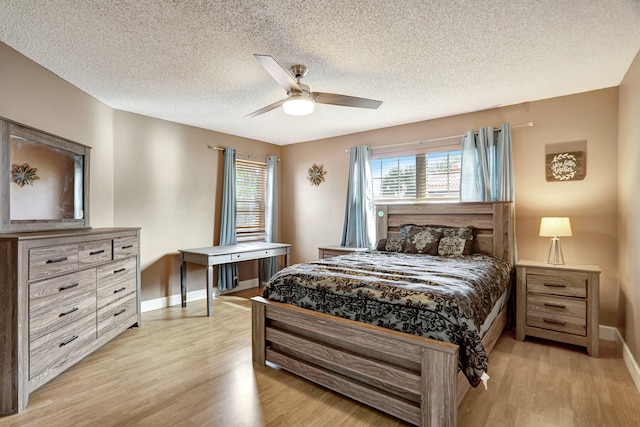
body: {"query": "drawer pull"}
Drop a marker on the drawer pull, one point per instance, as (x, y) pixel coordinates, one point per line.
(120, 270)
(54, 260)
(68, 312)
(120, 290)
(550, 285)
(101, 251)
(127, 247)
(119, 312)
(555, 322)
(73, 338)
(548, 304)
(69, 286)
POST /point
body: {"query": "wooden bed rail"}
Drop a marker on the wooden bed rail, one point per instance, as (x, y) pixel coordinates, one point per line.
(407, 376)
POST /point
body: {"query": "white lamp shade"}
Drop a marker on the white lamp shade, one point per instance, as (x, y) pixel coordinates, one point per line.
(298, 105)
(555, 227)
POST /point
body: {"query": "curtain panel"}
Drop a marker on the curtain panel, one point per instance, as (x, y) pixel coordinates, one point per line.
(228, 273)
(487, 165)
(359, 228)
(270, 265)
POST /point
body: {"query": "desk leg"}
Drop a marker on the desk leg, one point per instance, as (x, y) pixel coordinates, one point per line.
(210, 291)
(286, 260)
(260, 265)
(183, 282)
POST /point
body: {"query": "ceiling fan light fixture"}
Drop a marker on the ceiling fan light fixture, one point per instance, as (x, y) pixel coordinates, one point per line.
(298, 105)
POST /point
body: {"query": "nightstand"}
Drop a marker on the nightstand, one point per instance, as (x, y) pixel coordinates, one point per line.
(558, 302)
(331, 251)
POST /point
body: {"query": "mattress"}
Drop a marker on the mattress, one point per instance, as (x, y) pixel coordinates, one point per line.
(451, 299)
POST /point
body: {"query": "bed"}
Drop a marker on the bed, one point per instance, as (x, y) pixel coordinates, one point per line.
(408, 376)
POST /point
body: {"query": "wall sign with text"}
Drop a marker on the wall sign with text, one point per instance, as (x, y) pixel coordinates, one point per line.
(568, 166)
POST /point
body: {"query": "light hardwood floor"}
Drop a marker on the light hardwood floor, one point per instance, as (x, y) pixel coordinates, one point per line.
(185, 369)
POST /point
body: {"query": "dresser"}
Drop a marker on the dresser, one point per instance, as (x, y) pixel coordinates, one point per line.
(558, 302)
(331, 251)
(63, 294)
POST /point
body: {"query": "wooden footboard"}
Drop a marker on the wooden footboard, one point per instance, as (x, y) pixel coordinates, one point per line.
(413, 378)
(410, 377)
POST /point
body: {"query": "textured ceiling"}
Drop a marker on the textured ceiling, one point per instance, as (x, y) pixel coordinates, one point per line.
(192, 62)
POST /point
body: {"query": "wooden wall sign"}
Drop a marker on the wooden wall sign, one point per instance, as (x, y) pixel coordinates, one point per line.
(568, 166)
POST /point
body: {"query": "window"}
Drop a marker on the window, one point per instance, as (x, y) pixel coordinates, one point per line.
(251, 181)
(418, 177)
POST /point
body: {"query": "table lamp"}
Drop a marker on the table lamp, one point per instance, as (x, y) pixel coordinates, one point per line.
(555, 227)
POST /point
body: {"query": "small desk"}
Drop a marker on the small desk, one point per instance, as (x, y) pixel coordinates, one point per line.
(216, 255)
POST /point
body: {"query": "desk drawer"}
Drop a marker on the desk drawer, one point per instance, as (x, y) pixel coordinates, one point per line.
(265, 253)
(62, 347)
(45, 262)
(565, 283)
(56, 302)
(95, 252)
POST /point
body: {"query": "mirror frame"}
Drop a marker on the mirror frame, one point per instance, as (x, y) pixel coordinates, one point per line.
(7, 225)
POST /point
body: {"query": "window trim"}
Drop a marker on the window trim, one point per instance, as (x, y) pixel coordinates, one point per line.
(260, 234)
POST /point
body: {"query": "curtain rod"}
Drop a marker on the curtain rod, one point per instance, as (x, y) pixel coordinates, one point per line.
(211, 147)
(530, 124)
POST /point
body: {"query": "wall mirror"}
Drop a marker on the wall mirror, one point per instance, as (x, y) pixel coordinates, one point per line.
(44, 180)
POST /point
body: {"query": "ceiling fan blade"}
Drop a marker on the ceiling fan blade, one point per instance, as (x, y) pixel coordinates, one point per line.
(280, 75)
(267, 108)
(344, 100)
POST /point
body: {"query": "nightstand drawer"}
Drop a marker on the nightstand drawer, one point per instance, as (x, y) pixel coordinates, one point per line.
(555, 305)
(553, 282)
(557, 322)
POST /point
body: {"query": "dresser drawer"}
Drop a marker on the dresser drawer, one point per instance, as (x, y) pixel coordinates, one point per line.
(118, 317)
(56, 302)
(124, 247)
(95, 252)
(62, 347)
(566, 283)
(116, 272)
(46, 262)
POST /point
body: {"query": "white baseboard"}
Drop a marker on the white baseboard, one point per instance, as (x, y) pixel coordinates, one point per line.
(610, 333)
(171, 300)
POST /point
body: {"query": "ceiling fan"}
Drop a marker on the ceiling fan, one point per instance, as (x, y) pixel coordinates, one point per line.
(300, 100)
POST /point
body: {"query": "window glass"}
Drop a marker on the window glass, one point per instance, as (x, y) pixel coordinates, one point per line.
(417, 177)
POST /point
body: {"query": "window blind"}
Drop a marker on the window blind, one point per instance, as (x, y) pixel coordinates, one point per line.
(250, 199)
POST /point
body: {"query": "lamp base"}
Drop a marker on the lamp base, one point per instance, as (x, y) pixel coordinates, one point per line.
(555, 252)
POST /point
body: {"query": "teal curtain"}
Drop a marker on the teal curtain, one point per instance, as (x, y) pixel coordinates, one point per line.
(270, 265)
(486, 173)
(228, 273)
(359, 222)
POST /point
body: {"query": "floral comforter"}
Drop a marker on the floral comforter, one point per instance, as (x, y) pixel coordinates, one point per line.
(444, 298)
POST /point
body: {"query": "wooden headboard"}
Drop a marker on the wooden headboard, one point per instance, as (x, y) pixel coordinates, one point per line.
(491, 220)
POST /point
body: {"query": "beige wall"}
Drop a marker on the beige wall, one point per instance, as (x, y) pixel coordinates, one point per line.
(145, 172)
(629, 208)
(314, 215)
(169, 183)
(33, 96)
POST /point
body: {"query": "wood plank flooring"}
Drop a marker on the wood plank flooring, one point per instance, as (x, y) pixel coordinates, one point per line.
(182, 368)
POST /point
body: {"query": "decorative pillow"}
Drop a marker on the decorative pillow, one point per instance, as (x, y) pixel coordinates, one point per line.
(392, 244)
(454, 240)
(382, 244)
(406, 229)
(423, 242)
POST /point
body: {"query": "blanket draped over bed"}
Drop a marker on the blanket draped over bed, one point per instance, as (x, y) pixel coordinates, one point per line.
(444, 298)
